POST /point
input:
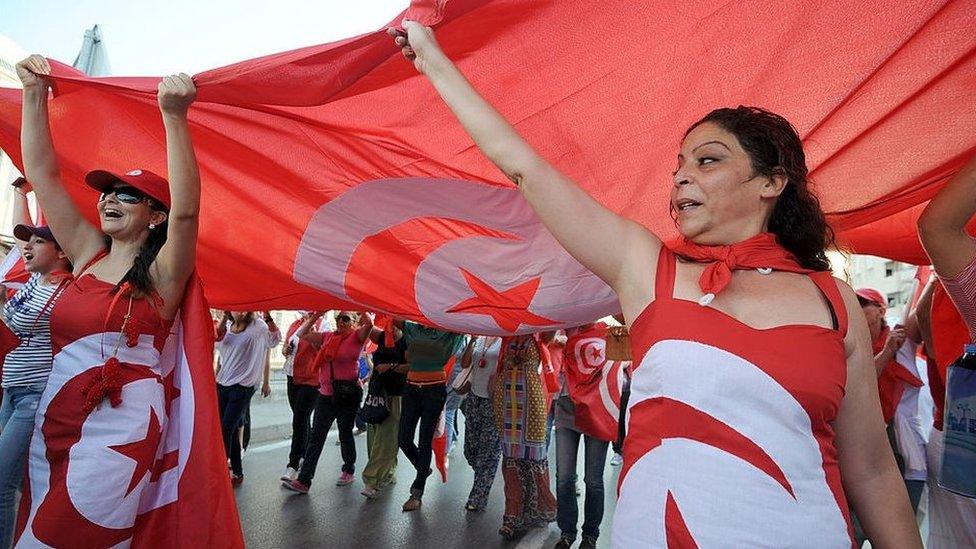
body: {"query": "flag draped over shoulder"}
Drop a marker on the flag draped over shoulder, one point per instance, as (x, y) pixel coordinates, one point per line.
(333, 177)
(595, 383)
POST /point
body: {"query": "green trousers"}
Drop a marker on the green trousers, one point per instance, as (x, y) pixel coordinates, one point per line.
(382, 449)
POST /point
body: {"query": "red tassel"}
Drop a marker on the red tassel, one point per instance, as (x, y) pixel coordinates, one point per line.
(131, 333)
(106, 384)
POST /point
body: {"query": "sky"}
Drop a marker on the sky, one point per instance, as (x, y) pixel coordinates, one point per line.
(153, 38)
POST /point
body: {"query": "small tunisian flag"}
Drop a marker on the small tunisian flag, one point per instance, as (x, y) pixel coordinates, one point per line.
(188, 501)
(594, 382)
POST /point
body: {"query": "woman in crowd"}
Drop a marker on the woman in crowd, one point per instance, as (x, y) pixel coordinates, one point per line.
(568, 439)
(388, 379)
(482, 448)
(741, 326)
(340, 393)
(521, 409)
(26, 368)
(428, 352)
(130, 275)
(942, 229)
(243, 344)
(302, 344)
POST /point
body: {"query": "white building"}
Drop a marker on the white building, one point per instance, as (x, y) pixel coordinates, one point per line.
(892, 278)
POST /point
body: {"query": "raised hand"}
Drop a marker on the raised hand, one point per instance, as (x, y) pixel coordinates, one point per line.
(417, 43)
(176, 93)
(33, 72)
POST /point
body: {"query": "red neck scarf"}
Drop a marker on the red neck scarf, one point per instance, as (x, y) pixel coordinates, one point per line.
(759, 252)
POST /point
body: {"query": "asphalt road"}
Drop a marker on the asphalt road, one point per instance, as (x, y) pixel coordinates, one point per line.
(339, 517)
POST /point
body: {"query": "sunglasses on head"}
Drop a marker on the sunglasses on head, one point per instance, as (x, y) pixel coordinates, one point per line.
(343, 318)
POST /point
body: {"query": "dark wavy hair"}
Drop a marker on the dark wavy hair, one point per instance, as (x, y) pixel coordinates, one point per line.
(774, 148)
(139, 276)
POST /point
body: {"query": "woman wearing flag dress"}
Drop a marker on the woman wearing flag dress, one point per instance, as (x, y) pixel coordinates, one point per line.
(102, 408)
(753, 416)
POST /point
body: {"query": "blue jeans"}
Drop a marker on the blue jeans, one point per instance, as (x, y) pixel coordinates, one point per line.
(16, 426)
(594, 462)
(450, 417)
(232, 402)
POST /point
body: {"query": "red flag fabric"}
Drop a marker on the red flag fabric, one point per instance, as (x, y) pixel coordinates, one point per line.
(188, 499)
(594, 382)
(375, 198)
(949, 334)
(439, 443)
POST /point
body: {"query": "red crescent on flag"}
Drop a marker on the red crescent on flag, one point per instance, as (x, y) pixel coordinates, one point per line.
(58, 521)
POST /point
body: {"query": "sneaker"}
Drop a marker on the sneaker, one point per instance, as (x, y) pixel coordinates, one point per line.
(296, 486)
(616, 460)
(345, 479)
(369, 492)
(412, 504)
(235, 480)
(289, 474)
(588, 543)
(563, 543)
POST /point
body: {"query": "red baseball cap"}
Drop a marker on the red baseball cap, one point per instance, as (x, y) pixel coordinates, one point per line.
(146, 181)
(873, 296)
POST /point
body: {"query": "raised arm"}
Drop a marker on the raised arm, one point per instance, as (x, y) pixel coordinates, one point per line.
(222, 325)
(871, 479)
(365, 326)
(177, 258)
(21, 209)
(79, 239)
(942, 225)
(616, 249)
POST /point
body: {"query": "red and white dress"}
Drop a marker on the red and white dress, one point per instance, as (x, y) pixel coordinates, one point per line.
(729, 437)
(88, 471)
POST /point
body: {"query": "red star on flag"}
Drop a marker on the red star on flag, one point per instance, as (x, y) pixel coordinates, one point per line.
(509, 309)
(595, 354)
(143, 452)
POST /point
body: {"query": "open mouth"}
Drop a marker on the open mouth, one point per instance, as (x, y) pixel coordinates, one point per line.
(112, 213)
(686, 204)
(28, 256)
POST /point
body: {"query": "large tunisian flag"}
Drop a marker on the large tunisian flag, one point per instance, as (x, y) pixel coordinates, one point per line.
(344, 158)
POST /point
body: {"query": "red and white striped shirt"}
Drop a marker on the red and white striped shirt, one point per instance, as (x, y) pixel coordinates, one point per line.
(962, 289)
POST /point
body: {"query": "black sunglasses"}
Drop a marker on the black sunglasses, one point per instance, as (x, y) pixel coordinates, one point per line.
(128, 195)
(343, 318)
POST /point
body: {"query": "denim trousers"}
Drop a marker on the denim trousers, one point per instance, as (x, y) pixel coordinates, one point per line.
(594, 462)
(16, 426)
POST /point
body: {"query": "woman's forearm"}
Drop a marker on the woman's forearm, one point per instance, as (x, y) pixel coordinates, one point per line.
(40, 160)
(881, 504)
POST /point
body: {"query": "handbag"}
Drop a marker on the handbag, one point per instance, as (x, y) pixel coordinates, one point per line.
(618, 344)
(377, 406)
(462, 383)
(959, 444)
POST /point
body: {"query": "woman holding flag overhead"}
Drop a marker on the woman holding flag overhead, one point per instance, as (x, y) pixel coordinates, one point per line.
(748, 385)
(106, 410)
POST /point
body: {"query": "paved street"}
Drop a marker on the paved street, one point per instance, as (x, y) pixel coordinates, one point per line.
(338, 517)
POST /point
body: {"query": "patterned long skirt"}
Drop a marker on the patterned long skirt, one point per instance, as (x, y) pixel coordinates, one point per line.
(482, 448)
(528, 498)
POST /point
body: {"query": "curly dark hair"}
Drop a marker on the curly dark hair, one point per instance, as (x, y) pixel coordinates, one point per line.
(774, 148)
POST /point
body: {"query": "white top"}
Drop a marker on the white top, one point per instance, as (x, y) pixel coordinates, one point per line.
(242, 355)
(481, 375)
(28, 314)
